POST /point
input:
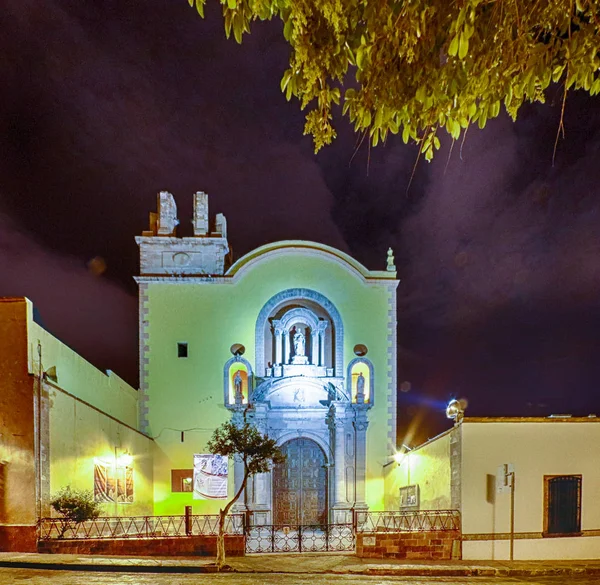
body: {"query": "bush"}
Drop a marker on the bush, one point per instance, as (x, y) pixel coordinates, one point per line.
(75, 506)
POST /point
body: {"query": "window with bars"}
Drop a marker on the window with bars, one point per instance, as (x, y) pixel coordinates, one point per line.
(562, 494)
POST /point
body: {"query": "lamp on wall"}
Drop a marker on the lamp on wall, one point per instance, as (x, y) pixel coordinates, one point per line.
(456, 410)
(126, 459)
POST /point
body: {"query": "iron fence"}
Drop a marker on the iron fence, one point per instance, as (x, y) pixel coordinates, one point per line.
(139, 527)
(398, 521)
(300, 538)
(267, 538)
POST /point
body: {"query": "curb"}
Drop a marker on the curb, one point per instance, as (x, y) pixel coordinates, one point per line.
(110, 568)
(373, 571)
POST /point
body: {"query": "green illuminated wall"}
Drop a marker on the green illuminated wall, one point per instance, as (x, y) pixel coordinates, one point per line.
(212, 314)
(85, 414)
(79, 435)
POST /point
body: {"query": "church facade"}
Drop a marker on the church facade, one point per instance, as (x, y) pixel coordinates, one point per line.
(296, 337)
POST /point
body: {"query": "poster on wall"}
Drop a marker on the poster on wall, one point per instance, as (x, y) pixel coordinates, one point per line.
(110, 486)
(210, 477)
(409, 497)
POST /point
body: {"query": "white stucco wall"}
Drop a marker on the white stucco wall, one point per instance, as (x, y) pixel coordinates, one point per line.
(536, 447)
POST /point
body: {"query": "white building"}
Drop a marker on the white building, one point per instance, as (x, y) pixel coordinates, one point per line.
(470, 467)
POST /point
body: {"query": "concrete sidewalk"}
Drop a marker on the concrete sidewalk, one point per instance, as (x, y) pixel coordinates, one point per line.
(309, 563)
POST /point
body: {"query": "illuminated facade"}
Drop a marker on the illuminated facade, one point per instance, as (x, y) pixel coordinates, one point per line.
(298, 337)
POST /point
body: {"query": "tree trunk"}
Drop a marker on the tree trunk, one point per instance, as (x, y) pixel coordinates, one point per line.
(221, 539)
(220, 560)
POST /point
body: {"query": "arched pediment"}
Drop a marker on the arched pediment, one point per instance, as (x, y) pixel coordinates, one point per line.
(301, 315)
(298, 295)
(298, 392)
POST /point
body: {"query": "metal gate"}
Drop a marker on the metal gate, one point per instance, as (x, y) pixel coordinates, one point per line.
(300, 485)
(284, 539)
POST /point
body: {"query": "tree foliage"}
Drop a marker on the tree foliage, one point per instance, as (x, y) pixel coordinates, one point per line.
(256, 451)
(75, 506)
(418, 66)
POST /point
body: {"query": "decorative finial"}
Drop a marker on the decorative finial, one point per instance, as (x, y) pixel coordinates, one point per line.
(391, 267)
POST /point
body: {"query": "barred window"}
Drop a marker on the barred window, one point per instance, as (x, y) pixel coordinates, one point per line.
(563, 504)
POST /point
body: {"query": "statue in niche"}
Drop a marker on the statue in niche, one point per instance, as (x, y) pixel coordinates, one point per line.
(238, 384)
(299, 342)
(360, 389)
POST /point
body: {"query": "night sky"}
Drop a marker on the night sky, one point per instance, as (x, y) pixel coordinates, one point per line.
(105, 103)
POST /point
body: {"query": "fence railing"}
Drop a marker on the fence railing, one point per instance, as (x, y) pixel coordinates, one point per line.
(139, 527)
(398, 521)
(192, 525)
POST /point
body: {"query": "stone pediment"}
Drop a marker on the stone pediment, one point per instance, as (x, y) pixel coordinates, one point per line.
(298, 392)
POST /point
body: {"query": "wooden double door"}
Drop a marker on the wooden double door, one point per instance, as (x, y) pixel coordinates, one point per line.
(300, 485)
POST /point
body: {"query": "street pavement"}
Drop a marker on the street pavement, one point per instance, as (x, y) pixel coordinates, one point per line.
(258, 567)
(14, 576)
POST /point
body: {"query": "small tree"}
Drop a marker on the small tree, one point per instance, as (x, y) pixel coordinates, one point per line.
(75, 506)
(257, 452)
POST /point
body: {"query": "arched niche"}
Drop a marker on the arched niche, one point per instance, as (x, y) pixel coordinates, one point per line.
(313, 331)
(287, 301)
(361, 368)
(237, 371)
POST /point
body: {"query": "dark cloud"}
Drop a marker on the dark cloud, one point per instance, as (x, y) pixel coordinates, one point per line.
(106, 103)
(90, 314)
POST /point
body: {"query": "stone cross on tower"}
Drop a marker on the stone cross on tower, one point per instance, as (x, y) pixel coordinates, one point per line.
(167, 215)
(200, 220)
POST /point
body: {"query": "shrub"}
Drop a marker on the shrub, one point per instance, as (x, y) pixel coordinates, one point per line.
(74, 506)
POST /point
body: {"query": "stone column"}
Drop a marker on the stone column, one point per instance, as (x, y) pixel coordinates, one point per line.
(286, 346)
(238, 469)
(260, 504)
(278, 342)
(360, 427)
(340, 508)
(321, 331)
(314, 347)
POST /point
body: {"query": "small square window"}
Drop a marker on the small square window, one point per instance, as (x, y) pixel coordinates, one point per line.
(182, 480)
(182, 350)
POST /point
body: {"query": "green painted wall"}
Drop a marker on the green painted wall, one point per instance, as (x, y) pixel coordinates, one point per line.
(210, 317)
(79, 434)
(428, 467)
(77, 376)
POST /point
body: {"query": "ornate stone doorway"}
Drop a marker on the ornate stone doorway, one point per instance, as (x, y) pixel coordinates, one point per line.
(300, 485)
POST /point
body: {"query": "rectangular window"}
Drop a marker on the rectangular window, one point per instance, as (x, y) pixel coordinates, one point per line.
(562, 496)
(182, 480)
(182, 350)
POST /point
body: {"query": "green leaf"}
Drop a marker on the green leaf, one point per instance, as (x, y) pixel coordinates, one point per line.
(285, 79)
(405, 134)
(463, 46)
(287, 29)
(453, 48)
(366, 118)
(232, 4)
(360, 56)
(237, 28)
